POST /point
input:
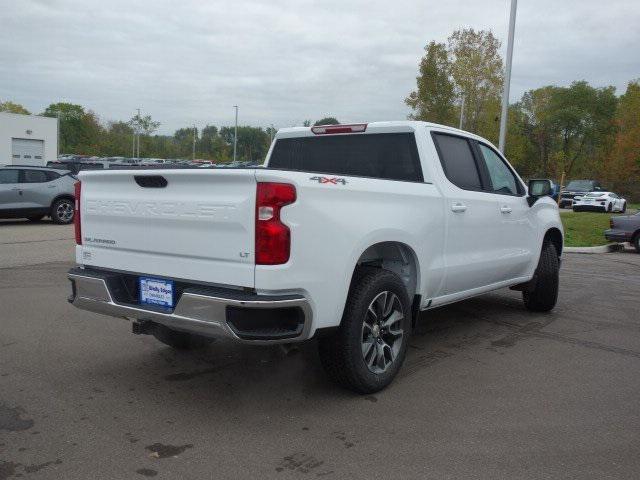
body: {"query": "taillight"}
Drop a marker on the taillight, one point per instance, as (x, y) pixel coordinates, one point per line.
(329, 129)
(273, 238)
(77, 187)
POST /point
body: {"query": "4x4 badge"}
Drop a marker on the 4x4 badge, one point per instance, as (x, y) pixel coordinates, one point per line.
(331, 180)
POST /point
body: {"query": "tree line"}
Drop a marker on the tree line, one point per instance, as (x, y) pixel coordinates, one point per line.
(581, 130)
(82, 133)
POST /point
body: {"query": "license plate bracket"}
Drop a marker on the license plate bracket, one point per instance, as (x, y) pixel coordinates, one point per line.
(156, 292)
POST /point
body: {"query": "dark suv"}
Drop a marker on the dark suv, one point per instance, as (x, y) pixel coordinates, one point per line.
(577, 188)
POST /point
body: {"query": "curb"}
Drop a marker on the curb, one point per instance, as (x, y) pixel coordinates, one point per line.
(612, 247)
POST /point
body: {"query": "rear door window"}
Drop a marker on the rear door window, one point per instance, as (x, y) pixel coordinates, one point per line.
(458, 163)
(9, 176)
(34, 176)
(392, 156)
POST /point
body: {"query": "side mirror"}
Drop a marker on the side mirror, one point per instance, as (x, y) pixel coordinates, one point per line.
(538, 189)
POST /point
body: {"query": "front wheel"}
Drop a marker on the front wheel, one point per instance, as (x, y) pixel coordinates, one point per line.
(62, 211)
(610, 207)
(636, 242)
(370, 345)
(624, 207)
(543, 294)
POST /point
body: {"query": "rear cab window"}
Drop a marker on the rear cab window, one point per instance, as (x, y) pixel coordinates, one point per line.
(389, 156)
(458, 162)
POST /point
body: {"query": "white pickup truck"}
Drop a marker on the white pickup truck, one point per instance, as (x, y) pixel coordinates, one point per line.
(345, 234)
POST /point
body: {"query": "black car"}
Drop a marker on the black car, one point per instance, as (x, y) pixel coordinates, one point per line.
(625, 228)
(576, 188)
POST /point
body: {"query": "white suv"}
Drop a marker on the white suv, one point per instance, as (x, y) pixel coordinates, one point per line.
(36, 192)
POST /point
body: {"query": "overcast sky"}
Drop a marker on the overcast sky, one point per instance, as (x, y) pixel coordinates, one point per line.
(282, 62)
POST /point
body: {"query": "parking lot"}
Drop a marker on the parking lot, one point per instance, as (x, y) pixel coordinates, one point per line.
(489, 390)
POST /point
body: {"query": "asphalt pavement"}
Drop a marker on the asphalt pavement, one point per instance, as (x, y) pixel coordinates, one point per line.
(488, 391)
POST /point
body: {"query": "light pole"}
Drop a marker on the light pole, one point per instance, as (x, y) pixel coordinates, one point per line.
(193, 153)
(235, 135)
(138, 129)
(507, 77)
(58, 116)
(462, 111)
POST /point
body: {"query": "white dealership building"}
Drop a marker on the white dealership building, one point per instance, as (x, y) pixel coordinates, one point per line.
(27, 139)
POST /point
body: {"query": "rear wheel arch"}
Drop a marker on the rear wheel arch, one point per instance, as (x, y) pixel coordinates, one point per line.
(398, 258)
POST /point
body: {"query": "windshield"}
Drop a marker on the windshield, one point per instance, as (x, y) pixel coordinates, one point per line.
(580, 185)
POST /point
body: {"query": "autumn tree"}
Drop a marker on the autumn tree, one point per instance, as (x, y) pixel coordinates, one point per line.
(623, 164)
(434, 98)
(11, 107)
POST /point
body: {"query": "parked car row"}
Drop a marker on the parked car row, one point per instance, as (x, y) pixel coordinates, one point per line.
(76, 163)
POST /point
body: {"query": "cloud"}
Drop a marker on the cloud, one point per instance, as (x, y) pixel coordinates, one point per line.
(285, 61)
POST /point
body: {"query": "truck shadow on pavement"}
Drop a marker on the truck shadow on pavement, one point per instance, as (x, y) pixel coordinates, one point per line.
(226, 374)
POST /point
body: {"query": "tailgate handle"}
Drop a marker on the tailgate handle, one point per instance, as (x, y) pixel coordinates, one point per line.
(151, 181)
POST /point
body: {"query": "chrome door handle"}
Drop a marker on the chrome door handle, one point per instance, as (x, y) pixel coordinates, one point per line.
(505, 209)
(458, 207)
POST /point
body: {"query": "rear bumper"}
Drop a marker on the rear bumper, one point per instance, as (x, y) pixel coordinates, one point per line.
(617, 235)
(590, 208)
(213, 312)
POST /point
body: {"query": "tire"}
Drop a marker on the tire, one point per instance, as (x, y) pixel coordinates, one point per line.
(179, 340)
(543, 295)
(62, 211)
(636, 242)
(610, 207)
(624, 208)
(35, 218)
(365, 354)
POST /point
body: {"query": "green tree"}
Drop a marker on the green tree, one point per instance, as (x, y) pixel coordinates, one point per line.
(253, 142)
(327, 121)
(80, 130)
(12, 107)
(434, 98)
(477, 73)
(583, 116)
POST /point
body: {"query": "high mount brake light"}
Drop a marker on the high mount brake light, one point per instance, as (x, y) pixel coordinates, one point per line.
(329, 129)
(273, 238)
(77, 189)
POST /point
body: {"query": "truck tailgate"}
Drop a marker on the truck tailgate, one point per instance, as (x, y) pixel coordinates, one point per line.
(189, 224)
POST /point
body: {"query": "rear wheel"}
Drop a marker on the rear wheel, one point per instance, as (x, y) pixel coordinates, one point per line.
(370, 345)
(179, 340)
(543, 294)
(636, 242)
(35, 218)
(62, 211)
